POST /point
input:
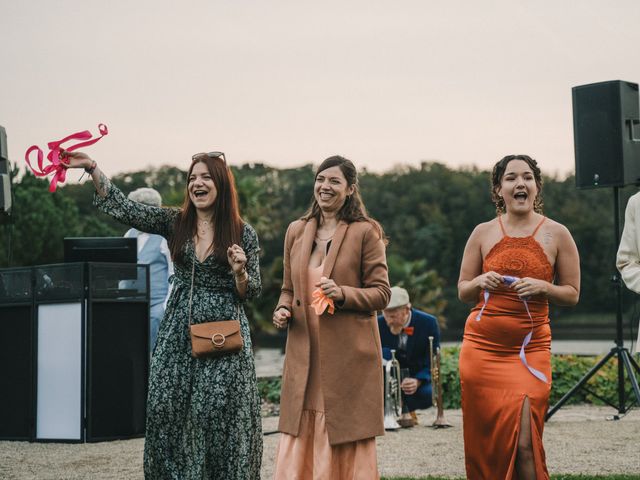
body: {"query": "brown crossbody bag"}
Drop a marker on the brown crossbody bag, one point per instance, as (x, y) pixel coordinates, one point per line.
(213, 339)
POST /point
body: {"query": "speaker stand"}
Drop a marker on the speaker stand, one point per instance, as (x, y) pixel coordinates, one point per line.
(626, 363)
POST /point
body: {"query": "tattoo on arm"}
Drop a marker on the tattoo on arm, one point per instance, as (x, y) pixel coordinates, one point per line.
(547, 239)
(103, 184)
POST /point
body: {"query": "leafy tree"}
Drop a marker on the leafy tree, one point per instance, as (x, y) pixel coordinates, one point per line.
(424, 285)
(40, 221)
(427, 212)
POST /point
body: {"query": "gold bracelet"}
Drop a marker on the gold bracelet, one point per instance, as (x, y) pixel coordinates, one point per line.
(244, 275)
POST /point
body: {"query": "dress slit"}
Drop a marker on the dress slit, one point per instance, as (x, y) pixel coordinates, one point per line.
(538, 450)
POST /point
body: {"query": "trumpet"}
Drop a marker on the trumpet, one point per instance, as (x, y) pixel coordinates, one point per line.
(436, 387)
(392, 393)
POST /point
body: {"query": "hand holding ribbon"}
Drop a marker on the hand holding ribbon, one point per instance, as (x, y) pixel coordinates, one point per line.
(321, 302)
(57, 161)
(510, 281)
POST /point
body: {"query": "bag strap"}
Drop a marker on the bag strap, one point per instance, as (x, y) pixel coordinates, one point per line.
(193, 272)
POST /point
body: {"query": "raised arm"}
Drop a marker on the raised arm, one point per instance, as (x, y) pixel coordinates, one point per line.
(110, 200)
(82, 160)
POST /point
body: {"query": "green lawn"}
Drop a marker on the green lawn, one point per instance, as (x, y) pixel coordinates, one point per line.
(553, 477)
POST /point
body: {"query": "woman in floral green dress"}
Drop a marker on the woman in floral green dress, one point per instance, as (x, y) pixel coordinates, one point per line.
(203, 415)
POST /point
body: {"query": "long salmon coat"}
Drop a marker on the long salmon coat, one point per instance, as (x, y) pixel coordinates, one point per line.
(349, 341)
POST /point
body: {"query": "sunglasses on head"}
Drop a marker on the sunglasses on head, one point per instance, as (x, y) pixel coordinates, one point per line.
(200, 156)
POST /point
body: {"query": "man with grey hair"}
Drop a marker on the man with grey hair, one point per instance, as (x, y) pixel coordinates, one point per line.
(407, 330)
(153, 251)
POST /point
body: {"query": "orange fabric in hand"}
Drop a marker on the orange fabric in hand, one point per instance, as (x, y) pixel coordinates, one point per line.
(321, 302)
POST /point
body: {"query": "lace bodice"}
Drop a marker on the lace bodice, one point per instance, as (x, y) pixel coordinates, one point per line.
(519, 257)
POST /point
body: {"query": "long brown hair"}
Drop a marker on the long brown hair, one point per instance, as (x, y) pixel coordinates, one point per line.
(353, 209)
(496, 179)
(227, 223)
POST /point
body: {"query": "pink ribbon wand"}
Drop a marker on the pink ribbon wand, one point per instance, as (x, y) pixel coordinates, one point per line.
(57, 164)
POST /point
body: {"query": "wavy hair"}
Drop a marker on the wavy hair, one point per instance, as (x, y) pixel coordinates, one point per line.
(353, 209)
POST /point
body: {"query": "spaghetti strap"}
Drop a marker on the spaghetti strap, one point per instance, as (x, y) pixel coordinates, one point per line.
(504, 233)
(539, 225)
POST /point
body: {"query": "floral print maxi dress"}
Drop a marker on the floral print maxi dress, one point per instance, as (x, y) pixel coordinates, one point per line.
(203, 415)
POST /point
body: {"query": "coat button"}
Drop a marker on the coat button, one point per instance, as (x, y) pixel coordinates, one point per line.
(298, 302)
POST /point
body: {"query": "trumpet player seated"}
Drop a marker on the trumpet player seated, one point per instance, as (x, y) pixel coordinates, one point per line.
(407, 330)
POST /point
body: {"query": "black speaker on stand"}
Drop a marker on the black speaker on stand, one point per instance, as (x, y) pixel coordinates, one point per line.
(5, 179)
(606, 132)
(606, 121)
(5, 193)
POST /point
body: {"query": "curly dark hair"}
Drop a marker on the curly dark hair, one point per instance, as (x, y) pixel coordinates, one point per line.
(353, 209)
(496, 179)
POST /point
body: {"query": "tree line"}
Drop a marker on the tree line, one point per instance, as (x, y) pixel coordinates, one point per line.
(427, 212)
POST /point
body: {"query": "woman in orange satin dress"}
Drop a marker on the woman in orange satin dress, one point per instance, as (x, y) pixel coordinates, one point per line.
(512, 267)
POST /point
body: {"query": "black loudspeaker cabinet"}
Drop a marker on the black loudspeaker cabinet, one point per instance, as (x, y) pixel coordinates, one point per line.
(606, 134)
(5, 177)
(16, 372)
(17, 362)
(118, 369)
(4, 155)
(74, 352)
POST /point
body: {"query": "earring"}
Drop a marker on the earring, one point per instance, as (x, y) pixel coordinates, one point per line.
(537, 204)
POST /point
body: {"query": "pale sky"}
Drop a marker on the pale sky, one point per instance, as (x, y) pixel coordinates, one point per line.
(292, 82)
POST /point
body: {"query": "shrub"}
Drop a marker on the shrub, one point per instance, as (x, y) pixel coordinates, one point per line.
(269, 389)
(567, 370)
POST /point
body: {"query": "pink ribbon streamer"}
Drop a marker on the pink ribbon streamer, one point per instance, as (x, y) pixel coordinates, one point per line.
(57, 162)
(321, 302)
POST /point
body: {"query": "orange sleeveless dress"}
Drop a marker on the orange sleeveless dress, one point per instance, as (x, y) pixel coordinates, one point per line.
(494, 378)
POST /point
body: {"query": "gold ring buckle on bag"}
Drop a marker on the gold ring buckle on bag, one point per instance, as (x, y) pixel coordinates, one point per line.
(215, 338)
(218, 344)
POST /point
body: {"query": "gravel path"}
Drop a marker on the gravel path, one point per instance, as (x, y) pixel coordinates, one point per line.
(577, 440)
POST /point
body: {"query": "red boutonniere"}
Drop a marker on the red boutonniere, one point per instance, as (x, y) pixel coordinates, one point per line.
(408, 330)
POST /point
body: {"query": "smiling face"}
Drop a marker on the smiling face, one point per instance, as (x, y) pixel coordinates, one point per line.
(331, 189)
(518, 187)
(202, 190)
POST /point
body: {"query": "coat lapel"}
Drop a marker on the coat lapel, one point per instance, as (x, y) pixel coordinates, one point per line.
(308, 237)
(411, 339)
(330, 261)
